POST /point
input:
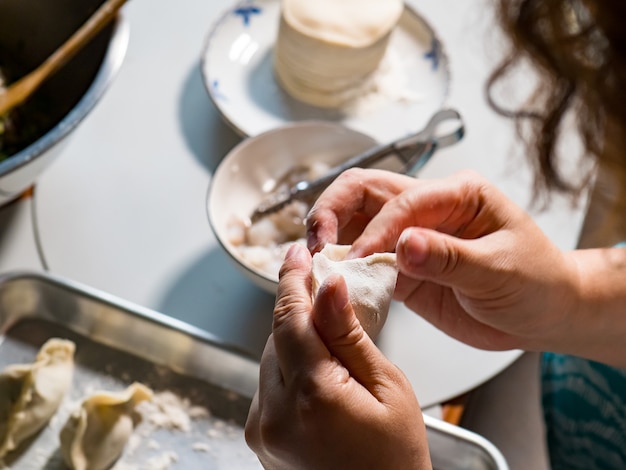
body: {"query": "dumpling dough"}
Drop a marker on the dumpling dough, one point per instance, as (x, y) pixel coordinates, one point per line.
(94, 436)
(354, 23)
(370, 281)
(30, 394)
(326, 49)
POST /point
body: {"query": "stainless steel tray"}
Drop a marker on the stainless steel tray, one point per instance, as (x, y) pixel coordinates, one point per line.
(119, 342)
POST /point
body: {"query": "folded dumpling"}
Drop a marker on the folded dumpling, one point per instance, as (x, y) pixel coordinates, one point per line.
(30, 394)
(370, 280)
(95, 434)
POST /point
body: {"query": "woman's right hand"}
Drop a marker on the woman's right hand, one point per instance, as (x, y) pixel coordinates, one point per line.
(471, 262)
(328, 398)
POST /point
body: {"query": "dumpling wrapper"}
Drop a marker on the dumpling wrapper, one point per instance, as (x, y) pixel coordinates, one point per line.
(370, 280)
(30, 394)
(95, 434)
(348, 23)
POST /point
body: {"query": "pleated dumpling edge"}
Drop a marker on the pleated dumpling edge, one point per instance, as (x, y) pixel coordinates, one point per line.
(30, 394)
(370, 280)
(96, 433)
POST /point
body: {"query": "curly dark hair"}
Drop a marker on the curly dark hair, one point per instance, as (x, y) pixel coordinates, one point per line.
(579, 49)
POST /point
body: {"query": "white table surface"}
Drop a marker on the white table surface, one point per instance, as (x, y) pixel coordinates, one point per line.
(18, 249)
(123, 209)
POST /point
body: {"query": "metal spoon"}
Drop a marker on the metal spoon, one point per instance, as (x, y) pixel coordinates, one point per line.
(413, 151)
(20, 90)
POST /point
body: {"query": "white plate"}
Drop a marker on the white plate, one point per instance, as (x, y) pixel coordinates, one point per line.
(238, 74)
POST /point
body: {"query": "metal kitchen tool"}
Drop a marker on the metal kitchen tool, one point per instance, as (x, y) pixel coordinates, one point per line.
(413, 151)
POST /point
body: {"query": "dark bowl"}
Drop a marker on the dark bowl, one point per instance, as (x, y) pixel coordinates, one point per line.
(30, 30)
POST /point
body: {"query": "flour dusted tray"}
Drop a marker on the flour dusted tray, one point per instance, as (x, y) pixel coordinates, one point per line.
(118, 343)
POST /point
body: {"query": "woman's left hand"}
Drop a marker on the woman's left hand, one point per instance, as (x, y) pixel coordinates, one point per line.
(328, 398)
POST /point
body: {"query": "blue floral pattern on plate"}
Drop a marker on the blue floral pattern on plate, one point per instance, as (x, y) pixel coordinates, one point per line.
(215, 88)
(433, 54)
(247, 12)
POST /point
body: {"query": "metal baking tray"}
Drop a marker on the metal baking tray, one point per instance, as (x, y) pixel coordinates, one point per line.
(118, 342)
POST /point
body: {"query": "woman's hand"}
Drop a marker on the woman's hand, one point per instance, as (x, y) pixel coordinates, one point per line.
(328, 398)
(471, 262)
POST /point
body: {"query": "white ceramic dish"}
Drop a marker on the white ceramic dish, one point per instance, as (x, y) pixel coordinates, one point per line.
(238, 74)
(249, 170)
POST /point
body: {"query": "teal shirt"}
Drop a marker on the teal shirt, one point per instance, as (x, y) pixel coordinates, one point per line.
(584, 404)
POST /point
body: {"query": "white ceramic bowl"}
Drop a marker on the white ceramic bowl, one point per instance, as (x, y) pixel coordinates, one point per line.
(237, 187)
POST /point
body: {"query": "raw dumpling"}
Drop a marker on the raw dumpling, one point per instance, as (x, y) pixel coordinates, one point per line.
(94, 436)
(370, 280)
(30, 394)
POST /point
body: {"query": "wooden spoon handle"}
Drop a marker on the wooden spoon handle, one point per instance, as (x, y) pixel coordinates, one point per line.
(19, 91)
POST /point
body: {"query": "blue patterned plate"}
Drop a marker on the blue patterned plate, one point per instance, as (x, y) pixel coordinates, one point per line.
(238, 74)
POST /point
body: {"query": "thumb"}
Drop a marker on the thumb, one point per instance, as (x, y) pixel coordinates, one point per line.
(428, 255)
(343, 335)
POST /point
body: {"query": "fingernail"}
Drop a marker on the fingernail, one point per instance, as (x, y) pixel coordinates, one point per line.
(312, 241)
(293, 252)
(412, 246)
(340, 300)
